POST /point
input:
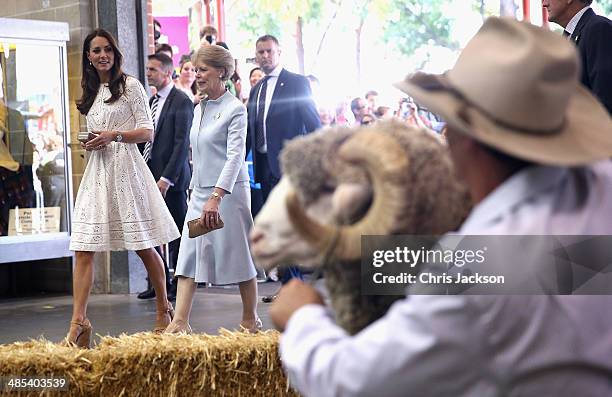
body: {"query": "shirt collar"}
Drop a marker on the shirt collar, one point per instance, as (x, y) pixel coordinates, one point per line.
(571, 26)
(164, 92)
(276, 72)
(519, 188)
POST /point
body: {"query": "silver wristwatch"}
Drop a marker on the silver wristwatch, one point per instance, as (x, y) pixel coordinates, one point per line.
(119, 137)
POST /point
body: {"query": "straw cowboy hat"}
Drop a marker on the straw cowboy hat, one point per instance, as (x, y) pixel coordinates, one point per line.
(515, 88)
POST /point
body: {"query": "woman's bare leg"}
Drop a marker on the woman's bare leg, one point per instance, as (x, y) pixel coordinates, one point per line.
(82, 281)
(184, 301)
(248, 293)
(80, 330)
(157, 275)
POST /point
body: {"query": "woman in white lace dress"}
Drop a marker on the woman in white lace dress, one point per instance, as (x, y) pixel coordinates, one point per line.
(118, 206)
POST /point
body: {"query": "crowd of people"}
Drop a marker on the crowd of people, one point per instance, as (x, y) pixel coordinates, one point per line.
(348, 113)
(533, 152)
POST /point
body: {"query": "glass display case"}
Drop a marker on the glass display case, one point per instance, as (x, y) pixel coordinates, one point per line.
(35, 175)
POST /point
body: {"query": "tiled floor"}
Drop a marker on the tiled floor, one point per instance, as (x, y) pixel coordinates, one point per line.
(26, 318)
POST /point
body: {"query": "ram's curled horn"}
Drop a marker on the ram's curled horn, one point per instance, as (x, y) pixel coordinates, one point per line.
(386, 164)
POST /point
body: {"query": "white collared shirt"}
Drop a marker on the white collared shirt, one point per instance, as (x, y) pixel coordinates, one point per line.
(571, 25)
(163, 95)
(477, 345)
(271, 86)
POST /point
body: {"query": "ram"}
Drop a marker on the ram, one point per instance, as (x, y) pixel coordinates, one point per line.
(339, 184)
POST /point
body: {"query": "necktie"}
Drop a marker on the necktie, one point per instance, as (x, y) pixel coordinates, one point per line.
(260, 138)
(146, 154)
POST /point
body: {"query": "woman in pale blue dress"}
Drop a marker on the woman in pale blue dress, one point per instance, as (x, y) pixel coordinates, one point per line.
(221, 190)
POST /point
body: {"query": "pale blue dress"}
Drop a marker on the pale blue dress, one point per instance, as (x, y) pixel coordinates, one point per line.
(218, 141)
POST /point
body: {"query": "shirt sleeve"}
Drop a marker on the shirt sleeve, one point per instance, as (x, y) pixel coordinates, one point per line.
(168, 181)
(424, 345)
(137, 99)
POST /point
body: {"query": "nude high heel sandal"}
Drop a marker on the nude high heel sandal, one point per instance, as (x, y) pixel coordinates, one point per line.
(82, 337)
(251, 327)
(179, 327)
(169, 310)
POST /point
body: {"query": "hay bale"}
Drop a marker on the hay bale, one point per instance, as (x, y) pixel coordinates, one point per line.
(145, 364)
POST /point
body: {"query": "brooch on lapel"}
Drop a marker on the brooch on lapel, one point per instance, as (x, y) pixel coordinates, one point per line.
(218, 116)
(282, 84)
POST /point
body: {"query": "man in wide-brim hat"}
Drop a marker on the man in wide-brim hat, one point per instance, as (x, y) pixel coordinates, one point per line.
(528, 140)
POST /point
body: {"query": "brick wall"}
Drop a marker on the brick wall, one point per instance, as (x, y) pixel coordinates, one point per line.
(150, 28)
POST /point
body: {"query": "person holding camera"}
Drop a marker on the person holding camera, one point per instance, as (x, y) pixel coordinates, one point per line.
(208, 35)
(118, 206)
(409, 112)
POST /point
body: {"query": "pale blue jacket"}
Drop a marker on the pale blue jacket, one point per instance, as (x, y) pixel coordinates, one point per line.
(218, 139)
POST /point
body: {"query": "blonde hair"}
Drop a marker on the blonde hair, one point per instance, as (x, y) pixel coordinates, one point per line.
(217, 57)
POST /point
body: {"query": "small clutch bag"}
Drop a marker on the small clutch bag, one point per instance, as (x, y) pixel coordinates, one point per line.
(196, 229)
(85, 136)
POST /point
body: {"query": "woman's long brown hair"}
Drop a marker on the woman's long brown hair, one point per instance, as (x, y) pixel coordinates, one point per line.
(90, 82)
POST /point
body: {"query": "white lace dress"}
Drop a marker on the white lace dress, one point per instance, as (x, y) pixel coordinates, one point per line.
(118, 206)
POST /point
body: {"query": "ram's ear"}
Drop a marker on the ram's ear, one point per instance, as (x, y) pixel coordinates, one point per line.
(350, 202)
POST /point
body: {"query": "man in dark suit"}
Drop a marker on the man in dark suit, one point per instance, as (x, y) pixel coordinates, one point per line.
(280, 108)
(592, 34)
(168, 155)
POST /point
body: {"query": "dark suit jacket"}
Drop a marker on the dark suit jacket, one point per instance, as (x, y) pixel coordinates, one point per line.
(593, 35)
(292, 112)
(170, 152)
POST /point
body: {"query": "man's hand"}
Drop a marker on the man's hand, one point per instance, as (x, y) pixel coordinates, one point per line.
(291, 297)
(163, 187)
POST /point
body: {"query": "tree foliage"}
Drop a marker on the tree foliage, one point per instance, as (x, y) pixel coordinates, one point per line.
(606, 5)
(413, 23)
(257, 23)
(485, 9)
(273, 16)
